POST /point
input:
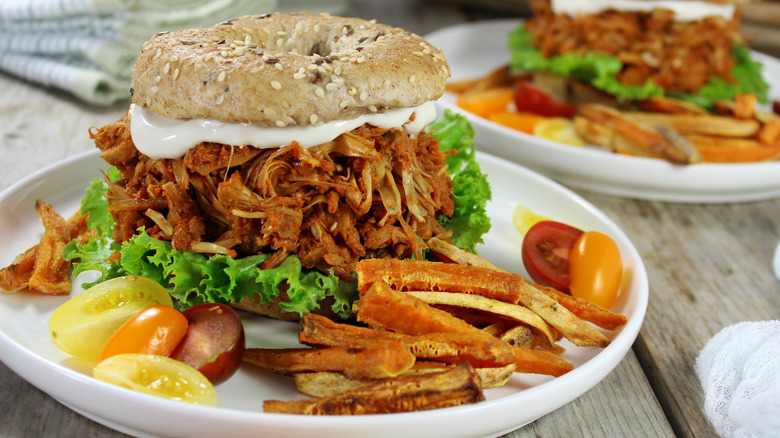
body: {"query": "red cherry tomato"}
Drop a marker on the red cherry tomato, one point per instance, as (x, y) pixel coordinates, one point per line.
(546, 249)
(530, 99)
(595, 269)
(154, 330)
(214, 343)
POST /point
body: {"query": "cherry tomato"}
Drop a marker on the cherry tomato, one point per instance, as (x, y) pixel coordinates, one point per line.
(595, 269)
(157, 375)
(546, 248)
(82, 325)
(486, 102)
(214, 343)
(528, 98)
(154, 330)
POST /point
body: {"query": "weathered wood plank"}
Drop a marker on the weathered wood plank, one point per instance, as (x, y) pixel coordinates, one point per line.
(621, 405)
(709, 266)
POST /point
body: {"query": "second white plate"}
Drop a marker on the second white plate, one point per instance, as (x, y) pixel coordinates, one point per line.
(475, 49)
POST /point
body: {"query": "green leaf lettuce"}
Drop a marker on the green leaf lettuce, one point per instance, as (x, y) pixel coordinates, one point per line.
(470, 188)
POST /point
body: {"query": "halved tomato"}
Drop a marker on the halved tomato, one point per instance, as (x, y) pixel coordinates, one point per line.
(531, 99)
(157, 375)
(214, 343)
(82, 325)
(546, 249)
(154, 330)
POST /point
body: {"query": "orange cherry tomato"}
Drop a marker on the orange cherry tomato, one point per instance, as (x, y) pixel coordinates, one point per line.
(523, 122)
(595, 269)
(486, 102)
(154, 330)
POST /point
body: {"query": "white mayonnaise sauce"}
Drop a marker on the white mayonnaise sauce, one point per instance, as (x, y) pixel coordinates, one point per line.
(159, 137)
(684, 10)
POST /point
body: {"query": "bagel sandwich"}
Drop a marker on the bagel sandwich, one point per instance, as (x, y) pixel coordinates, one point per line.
(621, 51)
(263, 157)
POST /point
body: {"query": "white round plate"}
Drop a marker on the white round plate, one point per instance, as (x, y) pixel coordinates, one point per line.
(25, 346)
(475, 49)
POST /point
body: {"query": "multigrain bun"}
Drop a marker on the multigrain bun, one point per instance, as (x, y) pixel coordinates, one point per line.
(287, 69)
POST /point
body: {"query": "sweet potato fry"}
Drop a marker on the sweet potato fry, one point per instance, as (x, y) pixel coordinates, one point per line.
(540, 362)
(77, 224)
(51, 273)
(479, 351)
(507, 331)
(493, 377)
(770, 132)
(539, 311)
(496, 329)
(477, 317)
(457, 386)
(604, 136)
(517, 336)
(766, 117)
(459, 256)
(381, 306)
(668, 105)
(586, 310)
(326, 384)
(571, 327)
(745, 106)
(513, 312)
(641, 133)
(701, 124)
(435, 276)
(387, 360)
(734, 150)
(16, 276)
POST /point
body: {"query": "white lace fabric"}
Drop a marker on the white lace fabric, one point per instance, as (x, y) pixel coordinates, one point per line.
(739, 369)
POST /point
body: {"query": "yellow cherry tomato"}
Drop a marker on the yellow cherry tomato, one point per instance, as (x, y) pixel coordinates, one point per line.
(559, 130)
(595, 269)
(157, 375)
(82, 325)
(154, 330)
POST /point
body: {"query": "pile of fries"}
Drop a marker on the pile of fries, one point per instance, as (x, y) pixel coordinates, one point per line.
(430, 335)
(684, 133)
(41, 268)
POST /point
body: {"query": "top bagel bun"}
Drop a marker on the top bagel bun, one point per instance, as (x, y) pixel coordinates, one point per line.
(287, 69)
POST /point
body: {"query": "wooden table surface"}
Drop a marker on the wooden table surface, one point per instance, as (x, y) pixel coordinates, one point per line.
(709, 266)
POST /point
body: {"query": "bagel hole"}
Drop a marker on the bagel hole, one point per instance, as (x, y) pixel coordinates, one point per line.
(319, 48)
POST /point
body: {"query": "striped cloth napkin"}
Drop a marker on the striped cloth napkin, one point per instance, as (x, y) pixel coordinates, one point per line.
(88, 47)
